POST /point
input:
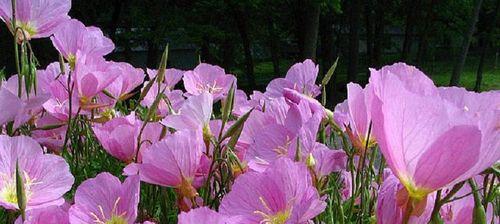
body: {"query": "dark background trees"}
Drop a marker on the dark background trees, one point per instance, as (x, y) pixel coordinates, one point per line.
(258, 40)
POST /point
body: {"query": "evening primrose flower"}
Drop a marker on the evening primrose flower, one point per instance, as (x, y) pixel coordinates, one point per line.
(46, 177)
(300, 77)
(105, 200)
(174, 162)
(428, 143)
(208, 78)
(390, 208)
(36, 18)
(194, 114)
(283, 193)
(48, 215)
(73, 36)
(353, 115)
(204, 215)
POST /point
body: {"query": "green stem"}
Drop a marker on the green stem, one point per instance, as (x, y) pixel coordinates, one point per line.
(16, 49)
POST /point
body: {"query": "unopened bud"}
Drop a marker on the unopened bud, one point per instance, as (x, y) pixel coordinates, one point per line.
(310, 161)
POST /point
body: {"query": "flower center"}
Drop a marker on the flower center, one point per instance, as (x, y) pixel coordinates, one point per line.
(9, 193)
(277, 218)
(116, 220)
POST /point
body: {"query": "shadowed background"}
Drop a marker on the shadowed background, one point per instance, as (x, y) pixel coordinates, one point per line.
(454, 42)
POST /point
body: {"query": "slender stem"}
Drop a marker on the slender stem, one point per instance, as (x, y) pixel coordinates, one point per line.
(362, 174)
(437, 207)
(16, 49)
(440, 202)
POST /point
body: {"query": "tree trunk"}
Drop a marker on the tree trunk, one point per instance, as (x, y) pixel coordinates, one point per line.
(240, 18)
(485, 42)
(354, 26)
(205, 55)
(457, 70)
(115, 18)
(327, 52)
(369, 33)
(412, 10)
(228, 52)
(425, 31)
(310, 29)
(299, 24)
(273, 44)
(379, 33)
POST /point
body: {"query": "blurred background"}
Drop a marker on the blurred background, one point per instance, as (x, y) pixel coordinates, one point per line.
(455, 42)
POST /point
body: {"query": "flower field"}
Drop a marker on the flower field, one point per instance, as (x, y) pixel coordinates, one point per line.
(88, 140)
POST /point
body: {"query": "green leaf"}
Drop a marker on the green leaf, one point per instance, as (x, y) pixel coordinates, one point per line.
(228, 105)
(163, 66)
(238, 124)
(329, 74)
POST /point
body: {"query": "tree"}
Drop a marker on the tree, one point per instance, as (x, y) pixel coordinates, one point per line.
(485, 42)
(457, 70)
(411, 17)
(310, 28)
(354, 27)
(240, 17)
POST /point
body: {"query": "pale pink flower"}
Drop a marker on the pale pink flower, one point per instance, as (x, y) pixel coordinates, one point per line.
(72, 36)
(194, 114)
(174, 162)
(300, 77)
(37, 18)
(283, 193)
(49, 215)
(391, 211)
(204, 215)
(104, 199)
(427, 143)
(46, 177)
(172, 76)
(208, 78)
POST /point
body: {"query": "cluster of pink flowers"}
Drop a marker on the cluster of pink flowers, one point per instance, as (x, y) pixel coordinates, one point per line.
(274, 147)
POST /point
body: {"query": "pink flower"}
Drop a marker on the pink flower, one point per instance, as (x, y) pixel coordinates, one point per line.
(37, 18)
(46, 177)
(390, 208)
(11, 104)
(51, 81)
(174, 162)
(92, 75)
(73, 36)
(346, 189)
(300, 77)
(204, 215)
(283, 193)
(104, 199)
(353, 115)
(174, 97)
(427, 143)
(19, 110)
(172, 76)
(208, 78)
(194, 114)
(242, 104)
(328, 160)
(49, 215)
(53, 137)
(485, 109)
(119, 137)
(128, 79)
